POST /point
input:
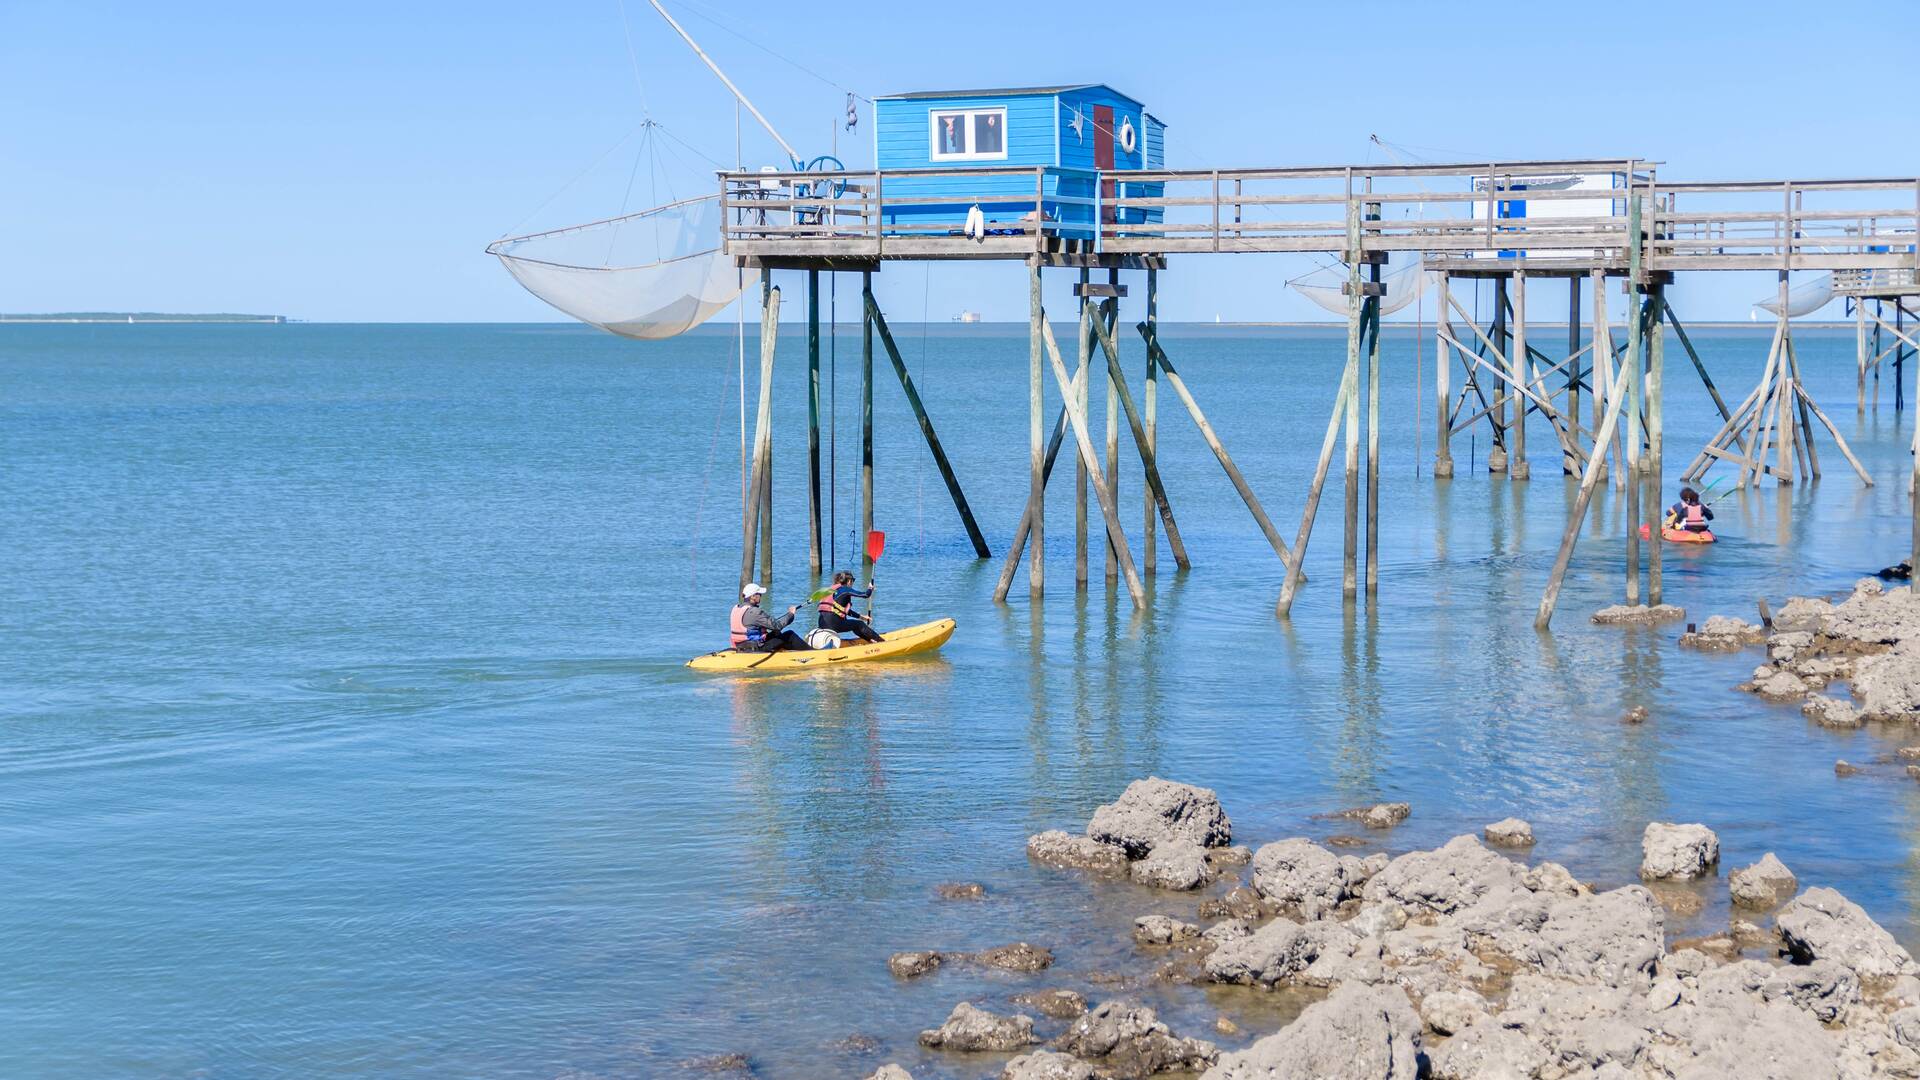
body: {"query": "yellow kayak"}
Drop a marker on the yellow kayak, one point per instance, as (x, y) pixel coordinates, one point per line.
(892, 645)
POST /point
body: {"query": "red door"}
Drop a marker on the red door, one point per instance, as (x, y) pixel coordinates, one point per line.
(1103, 157)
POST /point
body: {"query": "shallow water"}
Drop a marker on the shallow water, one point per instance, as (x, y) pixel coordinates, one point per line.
(345, 728)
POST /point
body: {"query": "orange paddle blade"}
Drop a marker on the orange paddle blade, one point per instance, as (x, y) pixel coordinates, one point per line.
(876, 543)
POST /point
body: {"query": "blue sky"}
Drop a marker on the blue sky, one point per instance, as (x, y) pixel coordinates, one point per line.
(350, 161)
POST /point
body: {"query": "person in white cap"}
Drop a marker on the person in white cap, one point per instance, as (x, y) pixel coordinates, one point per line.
(753, 630)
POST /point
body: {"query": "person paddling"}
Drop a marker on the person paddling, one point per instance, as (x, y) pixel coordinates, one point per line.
(753, 630)
(836, 608)
(1689, 513)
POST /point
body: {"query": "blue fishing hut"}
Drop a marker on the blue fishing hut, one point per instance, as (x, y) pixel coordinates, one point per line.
(1068, 147)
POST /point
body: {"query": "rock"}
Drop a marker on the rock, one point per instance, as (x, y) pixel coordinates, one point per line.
(1059, 849)
(1358, 1033)
(1451, 1011)
(1225, 1026)
(1867, 618)
(907, 965)
(1614, 938)
(1058, 1004)
(1374, 920)
(1802, 613)
(1762, 885)
(1908, 753)
(1228, 930)
(1162, 930)
(1488, 1052)
(961, 890)
(734, 1064)
(1280, 951)
(1127, 1041)
(1225, 858)
(1824, 988)
(1047, 1065)
(1620, 614)
(1379, 815)
(1637, 715)
(1509, 832)
(1173, 864)
(1830, 712)
(1664, 994)
(1723, 633)
(1347, 840)
(1683, 964)
(1677, 852)
(1301, 874)
(1153, 811)
(973, 1029)
(1776, 685)
(858, 1043)
(890, 1071)
(1820, 924)
(1018, 956)
(1914, 771)
(1905, 1027)
(1442, 881)
(1683, 900)
(1554, 879)
(1241, 902)
(1750, 935)
(1888, 687)
(1842, 767)
(1783, 647)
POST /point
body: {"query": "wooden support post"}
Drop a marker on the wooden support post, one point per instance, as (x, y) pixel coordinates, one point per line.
(1603, 373)
(1518, 368)
(1110, 316)
(759, 482)
(1080, 465)
(926, 428)
(1372, 555)
(1860, 353)
(1220, 454)
(1636, 327)
(1027, 527)
(1036, 476)
(1149, 556)
(1149, 462)
(1913, 475)
(1497, 336)
(1077, 417)
(866, 428)
(1291, 586)
(1568, 465)
(1596, 464)
(1442, 367)
(1785, 393)
(1656, 476)
(813, 422)
(1357, 308)
(1810, 454)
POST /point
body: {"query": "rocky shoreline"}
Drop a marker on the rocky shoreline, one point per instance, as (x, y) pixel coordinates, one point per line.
(1452, 963)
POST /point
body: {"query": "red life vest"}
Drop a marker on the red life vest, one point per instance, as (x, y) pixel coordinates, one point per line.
(829, 606)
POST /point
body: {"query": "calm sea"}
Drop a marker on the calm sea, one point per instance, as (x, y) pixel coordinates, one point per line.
(343, 727)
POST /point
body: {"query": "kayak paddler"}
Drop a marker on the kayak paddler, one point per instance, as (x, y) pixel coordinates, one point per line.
(1689, 513)
(753, 630)
(836, 608)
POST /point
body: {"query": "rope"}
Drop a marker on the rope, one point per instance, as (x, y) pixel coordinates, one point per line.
(694, 7)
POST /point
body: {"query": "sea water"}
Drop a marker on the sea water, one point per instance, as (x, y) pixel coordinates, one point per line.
(344, 728)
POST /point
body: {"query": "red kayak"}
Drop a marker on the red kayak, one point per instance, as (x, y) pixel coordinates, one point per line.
(1679, 536)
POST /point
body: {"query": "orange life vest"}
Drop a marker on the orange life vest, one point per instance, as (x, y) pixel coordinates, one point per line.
(1696, 518)
(738, 634)
(828, 606)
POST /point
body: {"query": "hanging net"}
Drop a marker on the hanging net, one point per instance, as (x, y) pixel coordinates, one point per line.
(649, 275)
(1803, 299)
(1324, 287)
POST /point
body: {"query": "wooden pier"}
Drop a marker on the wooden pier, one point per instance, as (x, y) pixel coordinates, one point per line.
(1600, 403)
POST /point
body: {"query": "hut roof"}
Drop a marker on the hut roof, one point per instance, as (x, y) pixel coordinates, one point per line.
(1006, 91)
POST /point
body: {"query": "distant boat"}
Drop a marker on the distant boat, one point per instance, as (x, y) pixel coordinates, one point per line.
(967, 317)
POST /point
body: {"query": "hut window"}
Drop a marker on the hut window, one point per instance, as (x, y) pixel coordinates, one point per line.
(968, 134)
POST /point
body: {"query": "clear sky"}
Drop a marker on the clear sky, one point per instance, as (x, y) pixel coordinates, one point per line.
(350, 161)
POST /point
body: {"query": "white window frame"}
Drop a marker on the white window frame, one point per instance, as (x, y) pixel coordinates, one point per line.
(933, 134)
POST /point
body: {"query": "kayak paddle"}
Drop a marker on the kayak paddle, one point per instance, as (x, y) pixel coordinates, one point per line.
(876, 543)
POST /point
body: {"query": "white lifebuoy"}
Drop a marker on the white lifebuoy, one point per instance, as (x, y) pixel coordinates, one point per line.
(1127, 137)
(976, 226)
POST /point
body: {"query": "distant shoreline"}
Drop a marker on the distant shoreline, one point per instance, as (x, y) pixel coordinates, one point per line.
(124, 317)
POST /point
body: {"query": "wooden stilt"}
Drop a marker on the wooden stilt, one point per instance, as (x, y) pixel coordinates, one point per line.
(1036, 476)
(1081, 465)
(1106, 320)
(1150, 442)
(1913, 475)
(1497, 454)
(866, 428)
(1077, 417)
(1636, 326)
(1656, 476)
(1603, 368)
(1810, 455)
(1596, 464)
(1860, 353)
(1149, 462)
(1518, 365)
(1569, 466)
(1357, 308)
(1220, 454)
(1291, 586)
(813, 422)
(758, 480)
(1027, 526)
(926, 428)
(1372, 574)
(1442, 367)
